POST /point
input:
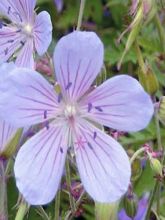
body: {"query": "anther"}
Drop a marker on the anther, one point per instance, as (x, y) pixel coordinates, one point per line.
(90, 146)
(94, 135)
(45, 114)
(59, 97)
(61, 150)
(99, 108)
(68, 86)
(89, 107)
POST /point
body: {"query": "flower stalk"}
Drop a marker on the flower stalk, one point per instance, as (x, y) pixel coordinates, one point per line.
(80, 17)
(3, 193)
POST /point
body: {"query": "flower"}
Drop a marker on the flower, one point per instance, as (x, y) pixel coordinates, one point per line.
(71, 118)
(59, 5)
(26, 31)
(141, 212)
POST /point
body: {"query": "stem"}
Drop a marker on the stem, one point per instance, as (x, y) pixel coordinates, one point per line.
(140, 57)
(21, 211)
(70, 214)
(160, 31)
(80, 16)
(151, 200)
(159, 148)
(156, 190)
(3, 193)
(136, 154)
(68, 181)
(57, 206)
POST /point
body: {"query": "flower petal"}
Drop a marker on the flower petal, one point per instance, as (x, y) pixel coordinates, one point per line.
(102, 163)
(39, 165)
(120, 103)
(78, 58)
(26, 97)
(42, 32)
(10, 41)
(18, 11)
(7, 132)
(25, 57)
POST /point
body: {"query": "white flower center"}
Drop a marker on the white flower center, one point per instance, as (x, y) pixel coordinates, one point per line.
(70, 110)
(28, 29)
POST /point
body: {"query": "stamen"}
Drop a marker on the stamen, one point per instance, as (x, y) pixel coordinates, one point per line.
(47, 124)
(90, 146)
(9, 9)
(45, 114)
(6, 51)
(59, 97)
(23, 43)
(89, 107)
(99, 108)
(61, 150)
(1, 24)
(94, 135)
(68, 86)
(10, 41)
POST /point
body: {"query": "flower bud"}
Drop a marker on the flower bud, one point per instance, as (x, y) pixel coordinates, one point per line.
(161, 110)
(106, 211)
(130, 204)
(11, 147)
(148, 80)
(156, 166)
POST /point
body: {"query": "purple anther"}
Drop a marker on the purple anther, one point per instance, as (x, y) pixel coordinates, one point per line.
(59, 97)
(94, 135)
(89, 107)
(22, 43)
(61, 150)
(6, 51)
(90, 146)
(99, 108)
(45, 114)
(68, 86)
(47, 125)
(10, 41)
(9, 9)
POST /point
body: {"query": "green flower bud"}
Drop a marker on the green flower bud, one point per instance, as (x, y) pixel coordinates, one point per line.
(161, 110)
(106, 211)
(156, 166)
(130, 202)
(148, 80)
(11, 146)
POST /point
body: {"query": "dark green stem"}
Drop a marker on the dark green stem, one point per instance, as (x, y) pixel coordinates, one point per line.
(68, 181)
(57, 206)
(3, 193)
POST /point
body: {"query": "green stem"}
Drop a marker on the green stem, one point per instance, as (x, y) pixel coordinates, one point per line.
(23, 208)
(57, 206)
(70, 214)
(160, 31)
(68, 181)
(156, 190)
(136, 154)
(81, 11)
(3, 193)
(151, 200)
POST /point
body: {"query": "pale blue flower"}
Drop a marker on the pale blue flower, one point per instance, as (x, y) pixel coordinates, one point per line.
(71, 118)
